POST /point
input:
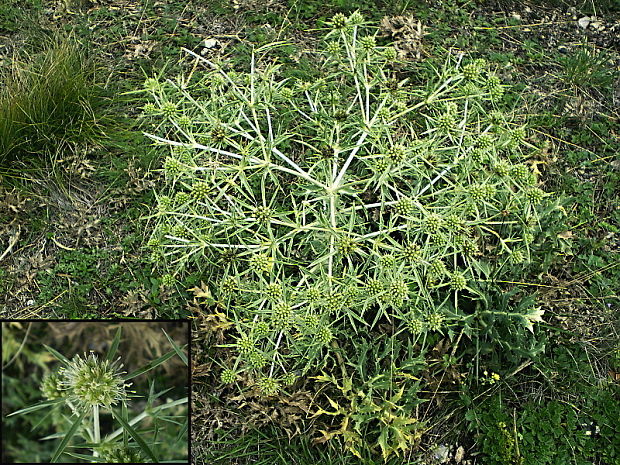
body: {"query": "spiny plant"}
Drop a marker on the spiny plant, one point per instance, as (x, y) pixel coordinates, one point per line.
(88, 386)
(322, 208)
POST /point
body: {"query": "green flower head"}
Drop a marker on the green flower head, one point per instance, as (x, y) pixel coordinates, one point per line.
(122, 455)
(89, 381)
(50, 387)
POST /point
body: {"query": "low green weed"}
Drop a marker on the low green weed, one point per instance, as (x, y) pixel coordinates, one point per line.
(550, 433)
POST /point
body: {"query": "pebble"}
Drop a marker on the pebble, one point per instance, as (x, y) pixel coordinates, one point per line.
(584, 22)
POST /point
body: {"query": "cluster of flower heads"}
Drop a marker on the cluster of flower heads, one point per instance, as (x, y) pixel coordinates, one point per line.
(86, 382)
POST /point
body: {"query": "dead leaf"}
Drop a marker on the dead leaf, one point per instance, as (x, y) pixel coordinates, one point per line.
(566, 235)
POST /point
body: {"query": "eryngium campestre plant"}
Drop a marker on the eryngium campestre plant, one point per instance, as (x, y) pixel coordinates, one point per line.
(318, 207)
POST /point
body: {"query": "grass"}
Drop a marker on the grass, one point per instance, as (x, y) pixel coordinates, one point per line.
(567, 98)
(49, 100)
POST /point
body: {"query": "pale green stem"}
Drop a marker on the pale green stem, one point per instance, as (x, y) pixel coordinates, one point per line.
(257, 161)
(97, 432)
(275, 354)
(332, 239)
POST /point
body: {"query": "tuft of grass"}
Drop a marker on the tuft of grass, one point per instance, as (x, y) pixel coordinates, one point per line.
(271, 446)
(588, 68)
(49, 100)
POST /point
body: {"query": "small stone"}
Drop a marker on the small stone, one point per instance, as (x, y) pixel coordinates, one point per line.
(442, 453)
(584, 22)
(211, 43)
(459, 454)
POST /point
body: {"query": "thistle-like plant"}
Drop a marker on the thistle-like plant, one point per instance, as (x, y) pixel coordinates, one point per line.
(320, 208)
(89, 385)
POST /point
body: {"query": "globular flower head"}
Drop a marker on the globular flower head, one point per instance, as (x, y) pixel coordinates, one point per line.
(268, 386)
(374, 287)
(384, 114)
(368, 44)
(445, 122)
(245, 345)
(387, 261)
(274, 291)
(281, 316)
(289, 379)
(339, 21)
(150, 109)
(535, 195)
(262, 213)
(346, 245)
(356, 18)
(200, 190)
(181, 198)
(432, 223)
(324, 335)
(168, 280)
(256, 360)
(398, 291)
(502, 168)
(396, 154)
(287, 93)
(484, 141)
(416, 326)
(218, 133)
(516, 257)
(333, 302)
(122, 455)
(261, 263)
(228, 376)
(390, 53)
(411, 252)
(455, 223)
(313, 295)
(434, 321)
(50, 387)
(437, 268)
(310, 324)
(333, 48)
(458, 282)
(471, 71)
(172, 167)
(184, 121)
(261, 329)
(89, 382)
(169, 108)
(404, 207)
(152, 84)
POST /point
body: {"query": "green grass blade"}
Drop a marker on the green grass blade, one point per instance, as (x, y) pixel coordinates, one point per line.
(126, 418)
(114, 346)
(134, 434)
(176, 348)
(58, 355)
(149, 366)
(87, 458)
(181, 432)
(34, 407)
(68, 436)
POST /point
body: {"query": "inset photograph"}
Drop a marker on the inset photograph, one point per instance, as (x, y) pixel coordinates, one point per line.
(95, 392)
